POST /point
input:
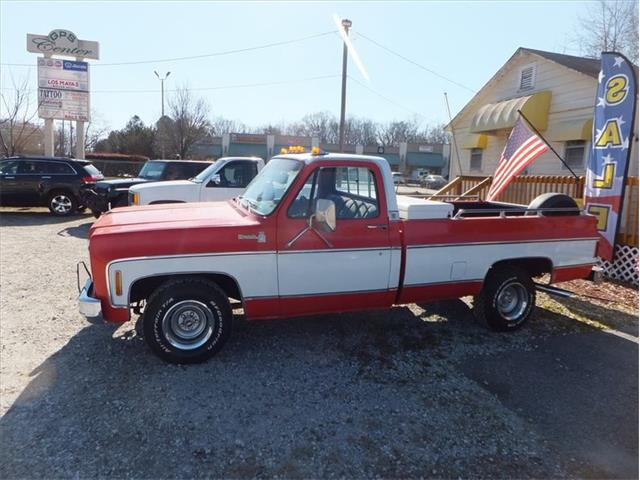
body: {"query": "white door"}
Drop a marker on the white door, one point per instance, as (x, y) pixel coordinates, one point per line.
(233, 179)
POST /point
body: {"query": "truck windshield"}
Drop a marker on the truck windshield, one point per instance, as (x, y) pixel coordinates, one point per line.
(267, 189)
(152, 170)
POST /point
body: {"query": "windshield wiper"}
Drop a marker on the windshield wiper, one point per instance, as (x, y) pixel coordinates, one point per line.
(249, 204)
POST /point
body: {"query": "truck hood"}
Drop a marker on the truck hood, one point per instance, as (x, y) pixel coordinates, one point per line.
(173, 215)
(172, 184)
(119, 183)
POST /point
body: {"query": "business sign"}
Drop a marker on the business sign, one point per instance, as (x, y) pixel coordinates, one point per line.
(63, 89)
(63, 43)
(257, 139)
(613, 119)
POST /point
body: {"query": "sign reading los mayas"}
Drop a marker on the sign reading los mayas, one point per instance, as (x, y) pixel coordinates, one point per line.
(63, 85)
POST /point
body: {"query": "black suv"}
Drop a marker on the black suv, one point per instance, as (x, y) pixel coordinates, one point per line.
(53, 182)
(109, 194)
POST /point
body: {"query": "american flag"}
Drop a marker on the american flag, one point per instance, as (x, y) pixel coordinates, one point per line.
(522, 148)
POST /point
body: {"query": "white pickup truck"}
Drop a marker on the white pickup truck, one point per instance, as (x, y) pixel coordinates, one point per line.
(224, 179)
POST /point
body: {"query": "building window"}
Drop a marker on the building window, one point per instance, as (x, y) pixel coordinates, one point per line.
(527, 77)
(574, 153)
(475, 164)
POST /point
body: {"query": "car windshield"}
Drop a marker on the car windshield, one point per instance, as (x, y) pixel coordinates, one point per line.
(266, 190)
(203, 175)
(152, 170)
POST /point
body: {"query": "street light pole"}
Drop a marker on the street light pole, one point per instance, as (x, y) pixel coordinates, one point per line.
(162, 79)
(346, 23)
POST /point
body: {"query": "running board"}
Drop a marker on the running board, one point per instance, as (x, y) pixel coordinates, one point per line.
(560, 292)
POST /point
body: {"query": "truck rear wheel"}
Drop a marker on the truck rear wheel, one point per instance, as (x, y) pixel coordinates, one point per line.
(187, 320)
(506, 300)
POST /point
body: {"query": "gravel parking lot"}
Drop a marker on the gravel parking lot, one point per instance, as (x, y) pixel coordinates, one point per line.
(418, 391)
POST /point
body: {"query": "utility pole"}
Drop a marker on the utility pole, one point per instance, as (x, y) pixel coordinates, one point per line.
(346, 24)
(162, 79)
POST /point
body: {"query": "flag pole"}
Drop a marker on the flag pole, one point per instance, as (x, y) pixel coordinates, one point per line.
(548, 145)
(453, 135)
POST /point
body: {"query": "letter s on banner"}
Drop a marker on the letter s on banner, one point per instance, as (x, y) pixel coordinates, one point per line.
(613, 119)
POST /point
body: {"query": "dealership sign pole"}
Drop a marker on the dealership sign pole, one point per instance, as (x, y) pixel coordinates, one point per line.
(63, 85)
(613, 118)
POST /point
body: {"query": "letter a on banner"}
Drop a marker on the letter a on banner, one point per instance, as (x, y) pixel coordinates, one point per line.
(613, 119)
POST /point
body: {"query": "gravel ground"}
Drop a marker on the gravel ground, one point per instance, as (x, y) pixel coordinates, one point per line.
(418, 391)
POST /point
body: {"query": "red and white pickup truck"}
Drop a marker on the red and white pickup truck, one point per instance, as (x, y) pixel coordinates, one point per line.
(322, 233)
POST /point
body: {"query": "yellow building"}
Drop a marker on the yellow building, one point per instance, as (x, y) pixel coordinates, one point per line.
(555, 91)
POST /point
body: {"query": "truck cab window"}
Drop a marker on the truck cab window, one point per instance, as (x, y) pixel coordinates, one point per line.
(237, 174)
(302, 205)
(352, 189)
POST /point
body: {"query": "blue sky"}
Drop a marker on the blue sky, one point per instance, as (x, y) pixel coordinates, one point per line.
(465, 41)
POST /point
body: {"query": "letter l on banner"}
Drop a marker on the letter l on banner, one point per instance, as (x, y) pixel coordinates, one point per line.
(613, 118)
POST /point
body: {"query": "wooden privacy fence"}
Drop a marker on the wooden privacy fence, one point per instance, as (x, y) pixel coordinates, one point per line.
(524, 188)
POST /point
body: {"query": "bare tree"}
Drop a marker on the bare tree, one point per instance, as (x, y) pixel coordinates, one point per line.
(18, 127)
(609, 25)
(95, 130)
(220, 126)
(395, 132)
(434, 134)
(320, 124)
(187, 123)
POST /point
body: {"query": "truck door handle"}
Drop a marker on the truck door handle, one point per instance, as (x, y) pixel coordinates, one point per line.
(381, 226)
(9, 178)
(45, 178)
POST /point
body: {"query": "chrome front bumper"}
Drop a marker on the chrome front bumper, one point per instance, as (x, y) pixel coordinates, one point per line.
(88, 305)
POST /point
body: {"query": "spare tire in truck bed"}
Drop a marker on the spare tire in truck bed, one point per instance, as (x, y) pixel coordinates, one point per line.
(554, 200)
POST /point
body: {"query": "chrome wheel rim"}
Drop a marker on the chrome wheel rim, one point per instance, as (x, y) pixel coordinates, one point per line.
(188, 324)
(61, 204)
(512, 301)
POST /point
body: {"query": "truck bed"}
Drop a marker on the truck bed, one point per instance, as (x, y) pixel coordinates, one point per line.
(456, 252)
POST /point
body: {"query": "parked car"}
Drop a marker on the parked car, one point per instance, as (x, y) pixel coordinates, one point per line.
(298, 242)
(398, 178)
(226, 178)
(112, 193)
(53, 182)
(433, 182)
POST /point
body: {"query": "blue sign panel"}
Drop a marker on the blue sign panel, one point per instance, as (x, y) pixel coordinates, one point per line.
(613, 119)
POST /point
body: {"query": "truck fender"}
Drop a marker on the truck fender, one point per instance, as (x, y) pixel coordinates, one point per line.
(143, 287)
(534, 266)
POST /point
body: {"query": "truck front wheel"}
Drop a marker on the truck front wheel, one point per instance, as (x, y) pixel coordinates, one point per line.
(506, 300)
(187, 320)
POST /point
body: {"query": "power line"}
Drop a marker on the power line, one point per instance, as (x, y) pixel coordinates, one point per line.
(219, 87)
(392, 52)
(226, 87)
(193, 57)
(384, 97)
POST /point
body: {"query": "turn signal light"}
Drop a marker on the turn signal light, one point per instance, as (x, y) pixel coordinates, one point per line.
(134, 199)
(118, 282)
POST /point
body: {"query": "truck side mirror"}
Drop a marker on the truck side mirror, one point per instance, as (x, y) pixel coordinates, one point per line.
(215, 179)
(325, 214)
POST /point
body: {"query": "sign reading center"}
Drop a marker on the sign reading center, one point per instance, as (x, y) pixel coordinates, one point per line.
(63, 43)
